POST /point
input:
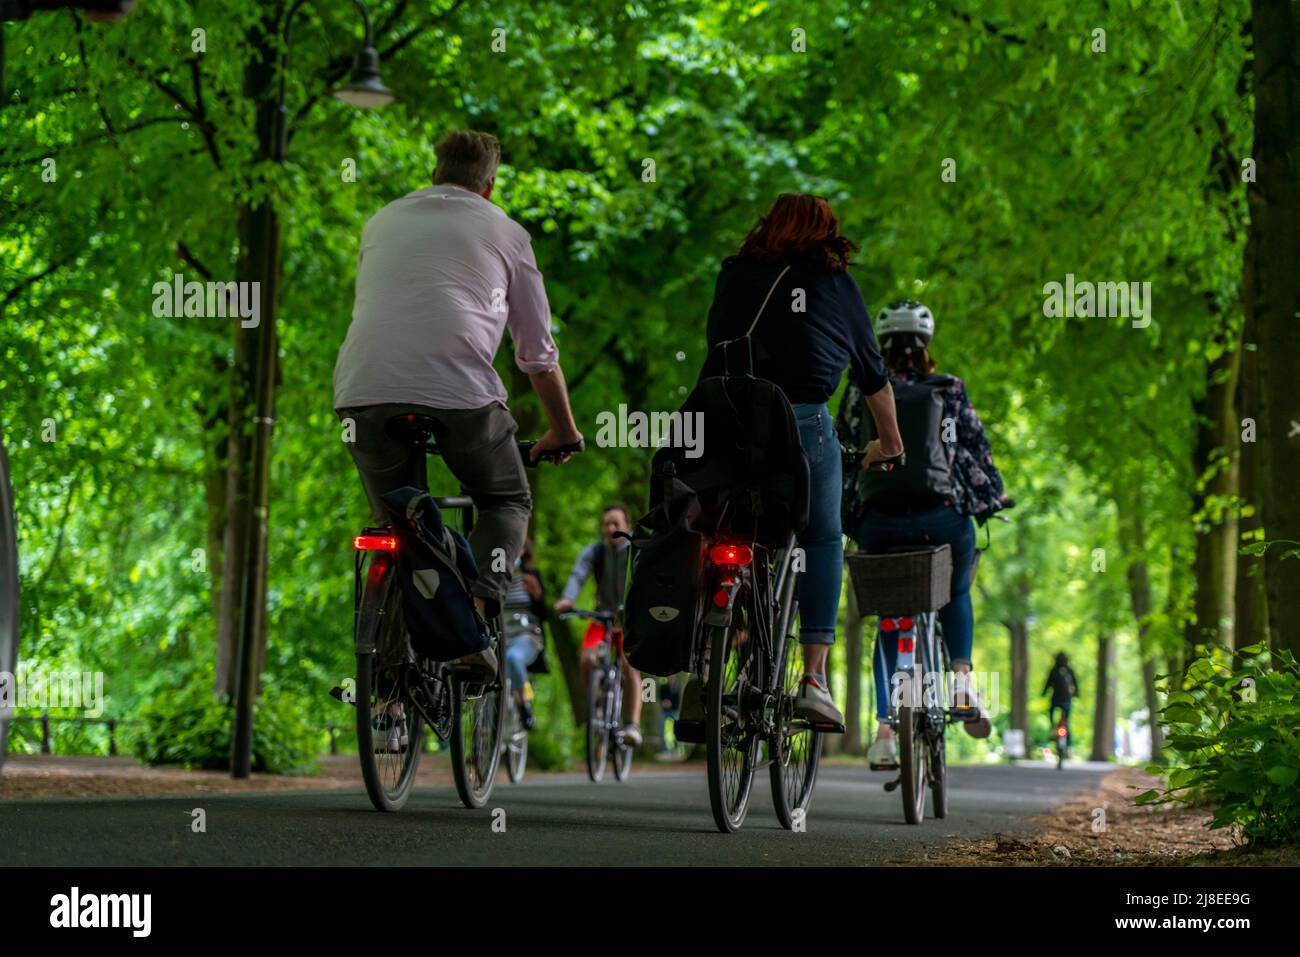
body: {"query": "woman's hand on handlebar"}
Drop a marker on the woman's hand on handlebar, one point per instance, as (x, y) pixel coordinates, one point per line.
(876, 455)
(563, 605)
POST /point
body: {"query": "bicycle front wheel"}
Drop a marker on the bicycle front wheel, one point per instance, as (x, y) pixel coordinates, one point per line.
(597, 724)
(731, 738)
(622, 750)
(477, 725)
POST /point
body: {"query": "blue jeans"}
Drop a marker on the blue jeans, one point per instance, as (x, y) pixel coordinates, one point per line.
(944, 525)
(520, 653)
(818, 588)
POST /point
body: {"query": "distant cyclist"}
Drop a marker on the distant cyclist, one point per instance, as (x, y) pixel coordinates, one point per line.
(949, 478)
(522, 623)
(441, 274)
(1064, 687)
(606, 561)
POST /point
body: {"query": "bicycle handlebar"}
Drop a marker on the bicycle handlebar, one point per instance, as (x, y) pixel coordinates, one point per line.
(550, 455)
(852, 459)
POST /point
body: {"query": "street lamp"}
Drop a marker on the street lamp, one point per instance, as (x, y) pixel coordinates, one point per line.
(364, 89)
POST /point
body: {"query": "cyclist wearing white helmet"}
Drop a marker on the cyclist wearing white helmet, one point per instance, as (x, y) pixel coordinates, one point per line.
(949, 478)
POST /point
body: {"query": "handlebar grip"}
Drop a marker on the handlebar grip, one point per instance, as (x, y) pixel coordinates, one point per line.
(550, 455)
(888, 465)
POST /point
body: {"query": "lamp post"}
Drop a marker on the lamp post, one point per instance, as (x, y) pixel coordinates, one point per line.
(260, 228)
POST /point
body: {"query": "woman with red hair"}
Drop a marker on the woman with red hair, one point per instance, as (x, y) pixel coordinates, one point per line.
(813, 327)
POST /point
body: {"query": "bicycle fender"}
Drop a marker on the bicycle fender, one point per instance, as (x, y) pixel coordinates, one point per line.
(720, 614)
(369, 613)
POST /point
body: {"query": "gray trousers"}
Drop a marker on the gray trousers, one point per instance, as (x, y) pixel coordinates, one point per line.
(478, 446)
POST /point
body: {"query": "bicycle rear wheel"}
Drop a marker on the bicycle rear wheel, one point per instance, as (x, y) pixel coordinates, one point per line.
(912, 753)
(795, 749)
(477, 725)
(597, 724)
(731, 738)
(389, 729)
(515, 740)
(938, 754)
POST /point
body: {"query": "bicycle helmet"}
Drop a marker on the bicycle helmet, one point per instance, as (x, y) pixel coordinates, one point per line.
(908, 317)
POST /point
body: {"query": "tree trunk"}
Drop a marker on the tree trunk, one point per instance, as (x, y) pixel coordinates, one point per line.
(1274, 262)
(1103, 719)
(1251, 616)
(253, 408)
(1133, 537)
(1215, 465)
(1018, 626)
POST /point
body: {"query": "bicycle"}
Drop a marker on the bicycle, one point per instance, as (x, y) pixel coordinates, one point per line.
(399, 691)
(1062, 740)
(605, 704)
(514, 740)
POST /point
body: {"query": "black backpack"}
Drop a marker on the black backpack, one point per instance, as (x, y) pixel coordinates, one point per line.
(434, 569)
(926, 477)
(665, 596)
(752, 477)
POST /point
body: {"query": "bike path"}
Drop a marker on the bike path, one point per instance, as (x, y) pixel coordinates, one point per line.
(657, 818)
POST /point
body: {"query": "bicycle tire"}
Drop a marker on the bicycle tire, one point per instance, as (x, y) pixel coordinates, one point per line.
(597, 725)
(517, 755)
(939, 777)
(912, 753)
(388, 783)
(795, 757)
(622, 750)
(728, 792)
(481, 720)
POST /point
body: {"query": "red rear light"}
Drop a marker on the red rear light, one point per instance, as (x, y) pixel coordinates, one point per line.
(375, 543)
(905, 624)
(906, 645)
(725, 554)
(888, 624)
(1060, 731)
(720, 598)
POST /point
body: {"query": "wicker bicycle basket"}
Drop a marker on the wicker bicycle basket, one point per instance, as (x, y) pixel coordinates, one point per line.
(905, 582)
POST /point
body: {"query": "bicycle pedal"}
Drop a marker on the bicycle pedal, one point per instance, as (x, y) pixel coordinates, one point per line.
(882, 767)
(827, 727)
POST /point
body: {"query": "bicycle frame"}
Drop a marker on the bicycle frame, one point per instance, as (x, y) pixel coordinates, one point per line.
(926, 687)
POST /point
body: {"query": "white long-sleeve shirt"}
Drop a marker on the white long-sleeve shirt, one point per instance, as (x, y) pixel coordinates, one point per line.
(441, 274)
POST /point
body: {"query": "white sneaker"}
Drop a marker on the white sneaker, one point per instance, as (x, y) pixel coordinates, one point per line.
(632, 735)
(965, 697)
(814, 702)
(883, 754)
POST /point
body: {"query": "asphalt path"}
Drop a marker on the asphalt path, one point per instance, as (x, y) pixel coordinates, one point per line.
(655, 818)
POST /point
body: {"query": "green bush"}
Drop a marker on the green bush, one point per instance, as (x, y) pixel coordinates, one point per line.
(189, 726)
(1234, 735)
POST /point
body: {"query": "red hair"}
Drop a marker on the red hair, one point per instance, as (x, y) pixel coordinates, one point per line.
(798, 228)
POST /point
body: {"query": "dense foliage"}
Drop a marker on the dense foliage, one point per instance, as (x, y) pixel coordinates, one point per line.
(975, 150)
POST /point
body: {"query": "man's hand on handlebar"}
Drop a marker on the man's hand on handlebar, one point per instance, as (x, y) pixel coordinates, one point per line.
(563, 605)
(553, 442)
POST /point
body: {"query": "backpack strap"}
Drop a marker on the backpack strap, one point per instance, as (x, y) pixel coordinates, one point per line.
(750, 331)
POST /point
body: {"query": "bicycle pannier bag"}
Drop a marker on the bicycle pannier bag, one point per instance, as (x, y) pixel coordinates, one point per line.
(664, 593)
(434, 569)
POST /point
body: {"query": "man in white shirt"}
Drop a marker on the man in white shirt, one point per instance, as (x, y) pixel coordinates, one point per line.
(441, 274)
